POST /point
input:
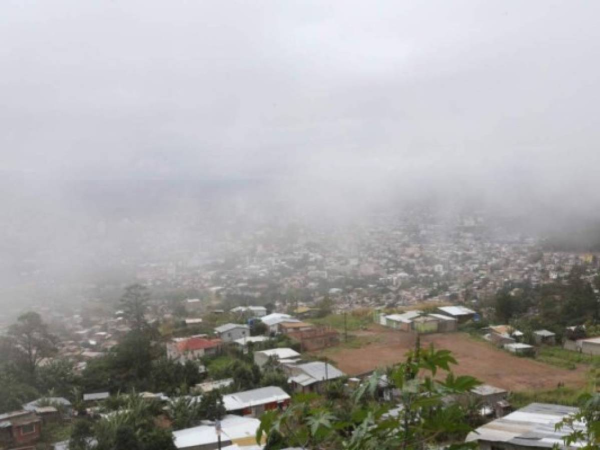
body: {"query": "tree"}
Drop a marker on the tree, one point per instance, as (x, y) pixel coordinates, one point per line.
(185, 412)
(211, 406)
(505, 307)
(258, 328)
(30, 342)
(583, 427)
(135, 304)
(132, 426)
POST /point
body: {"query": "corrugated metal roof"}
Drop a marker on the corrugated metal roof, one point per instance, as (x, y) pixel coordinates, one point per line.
(254, 397)
(230, 326)
(456, 310)
(532, 426)
(280, 353)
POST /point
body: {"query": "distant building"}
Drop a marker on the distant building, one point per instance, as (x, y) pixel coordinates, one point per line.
(315, 338)
(254, 311)
(532, 427)
(460, 313)
(520, 349)
(272, 321)
(95, 397)
(544, 337)
(192, 348)
(312, 376)
(418, 322)
(278, 354)
(193, 305)
(232, 331)
(289, 327)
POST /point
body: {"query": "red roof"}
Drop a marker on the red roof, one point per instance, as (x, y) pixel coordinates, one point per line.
(197, 343)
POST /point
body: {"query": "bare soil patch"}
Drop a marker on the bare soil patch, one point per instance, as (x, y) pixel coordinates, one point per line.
(479, 359)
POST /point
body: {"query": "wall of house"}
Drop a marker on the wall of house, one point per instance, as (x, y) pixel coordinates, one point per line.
(236, 333)
(20, 438)
(590, 348)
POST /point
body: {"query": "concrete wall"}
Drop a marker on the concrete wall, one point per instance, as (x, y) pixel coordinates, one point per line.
(590, 348)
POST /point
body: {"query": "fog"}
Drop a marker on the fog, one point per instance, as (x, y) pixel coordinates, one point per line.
(121, 116)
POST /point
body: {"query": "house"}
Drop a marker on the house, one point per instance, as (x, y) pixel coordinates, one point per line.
(520, 349)
(60, 404)
(401, 322)
(315, 338)
(232, 331)
(544, 337)
(532, 427)
(417, 321)
(212, 385)
(95, 397)
(290, 327)
(235, 431)
(589, 346)
(460, 313)
(256, 401)
(278, 354)
(312, 376)
(191, 322)
(445, 324)
(193, 305)
(251, 340)
(192, 348)
(501, 335)
(19, 428)
(491, 399)
(272, 321)
(254, 311)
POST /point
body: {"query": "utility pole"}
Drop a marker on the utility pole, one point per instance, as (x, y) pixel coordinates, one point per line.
(345, 326)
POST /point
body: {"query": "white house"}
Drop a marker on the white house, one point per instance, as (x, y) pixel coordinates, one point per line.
(279, 354)
(232, 331)
(272, 321)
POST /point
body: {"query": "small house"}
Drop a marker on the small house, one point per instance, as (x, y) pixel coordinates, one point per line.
(256, 401)
(544, 337)
(312, 376)
(232, 331)
(460, 313)
(276, 354)
(520, 349)
(192, 348)
(19, 429)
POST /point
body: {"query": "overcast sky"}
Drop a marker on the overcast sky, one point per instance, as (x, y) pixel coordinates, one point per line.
(472, 92)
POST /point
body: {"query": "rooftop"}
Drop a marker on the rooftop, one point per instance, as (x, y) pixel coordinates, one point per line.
(254, 397)
(280, 353)
(532, 426)
(230, 326)
(456, 310)
(197, 343)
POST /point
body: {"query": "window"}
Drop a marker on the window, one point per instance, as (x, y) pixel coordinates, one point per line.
(27, 429)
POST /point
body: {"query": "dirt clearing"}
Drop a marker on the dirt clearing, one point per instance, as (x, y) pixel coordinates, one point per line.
(479, 359)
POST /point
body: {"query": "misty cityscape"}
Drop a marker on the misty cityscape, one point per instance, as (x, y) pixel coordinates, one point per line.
(290, 225)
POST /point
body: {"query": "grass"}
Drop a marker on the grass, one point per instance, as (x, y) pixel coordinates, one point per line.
(560, 354)
(561, 396)
(219, 367)
(353, 322)
(557, 362)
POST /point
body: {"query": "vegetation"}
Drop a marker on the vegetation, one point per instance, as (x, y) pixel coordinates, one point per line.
(356, 420)
(352, 321)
